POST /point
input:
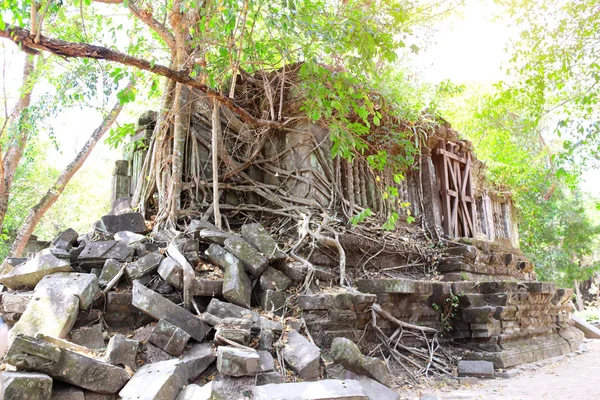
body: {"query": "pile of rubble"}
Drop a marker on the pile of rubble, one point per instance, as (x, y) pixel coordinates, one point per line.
(102, 315)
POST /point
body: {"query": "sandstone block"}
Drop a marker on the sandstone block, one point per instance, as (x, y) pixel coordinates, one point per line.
(347, 354)
(144, 265)
(122, 351)
(26, 386)
(236, 285)
(28, 274)
(132, 222)
(157, 381)
(197, 358)
(479, 369)
(261, 240)
(328, 389)
(254, 262)
(237, 362)
(302, 356)
(83, 286)
(169, 338)
(273, 279)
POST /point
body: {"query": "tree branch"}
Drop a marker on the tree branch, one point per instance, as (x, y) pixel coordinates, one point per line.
(22, 37)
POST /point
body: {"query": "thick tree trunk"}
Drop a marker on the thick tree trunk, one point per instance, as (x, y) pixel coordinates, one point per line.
(578, 296)
(38, 211)
(16, 144)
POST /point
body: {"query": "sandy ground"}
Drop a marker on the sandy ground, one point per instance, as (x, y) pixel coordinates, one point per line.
(573, 377)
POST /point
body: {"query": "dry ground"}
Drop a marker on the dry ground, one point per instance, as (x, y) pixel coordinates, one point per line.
(573, 377)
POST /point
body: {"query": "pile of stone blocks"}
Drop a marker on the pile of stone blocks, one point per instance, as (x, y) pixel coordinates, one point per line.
(150, 346)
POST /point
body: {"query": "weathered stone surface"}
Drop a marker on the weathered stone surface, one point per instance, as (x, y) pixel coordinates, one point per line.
(132, 222)
(222, 310)
(15, 302)
(213, 235)
(302, 356)
(236, 285)
(375, 390)
(129, 238)
(65, 365)
(169, 338)
(356, 301)
(171, 272)
(110, 269)
(207, 287)
(49, 312)
(90, 337)
(347, 354)
(394, 286)
(232, 361)
(273, 279)
(589, 330)
(254, 262)
(26, 386)
(94, 254)
(266, 378)
(479, 369)
(195, 392)
(83, 286)
(158, 307)
(266, 323)
(328, 389)
(28, 274)
(270, 300)
(266, 361)
(265, 341)
(62, 391)
(234, 329)
(144, 265)
(122, 351)
(197, 358)
(261, 240)
(157, 381)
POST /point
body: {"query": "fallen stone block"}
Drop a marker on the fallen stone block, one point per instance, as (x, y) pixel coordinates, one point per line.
(171, 272)
(213, 235)
(62, 391)
(265, 341)
(479, 369)
(169, 338)
(158, 307)
(129, 238)
(68, 366)
(233, 329)
(328, 389)
(89, 337)
(236, 285)
(144, 265)
(270, 300)
(157, 381)
(15, 302)
(122, 351)
(49, 312)
(237, 362)
(83, 286)
(95, 254)
(267, 363)
(302, 356)
(266, 378)
(347, 354)
(375, 390)
(197, 358)
(110, 269)
(261, 240)
(222, 310)
(28, 274)
(26, 386)
(132, 222)
(266, 323)
(207, 287)
(589, 330)
(69, 236)
(273, 279)
(254, 262)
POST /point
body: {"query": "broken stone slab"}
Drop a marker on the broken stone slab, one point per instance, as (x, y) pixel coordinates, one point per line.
(68, 236)
(171, 272)
(158, 307)
(236, 285)
(49, 312)
(129, 238)
(273, 279)
(26, 386)
(110, 269)
(589, 330)
(94, 254)
(261, 240)
(83, 286)
(122, 351)
(233, 361)
(223, 309)
(90, 337)
(28, 274)
(197, 358)
(157, 381)
(254, 262)
(328, 389)
(65, 365)
(302, 356)
(213, 235)
(346, 353)
(169, 338)
(16, 302)
(267, 363)
(132, 222)
(143, 265)
(479, 369)
(375, 390)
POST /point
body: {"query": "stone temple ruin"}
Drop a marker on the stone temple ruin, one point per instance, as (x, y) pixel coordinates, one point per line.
(290, 301)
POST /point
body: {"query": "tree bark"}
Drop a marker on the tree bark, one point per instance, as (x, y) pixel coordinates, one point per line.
(16, 145)
(578, 296)
(216, 127)
(38, 211)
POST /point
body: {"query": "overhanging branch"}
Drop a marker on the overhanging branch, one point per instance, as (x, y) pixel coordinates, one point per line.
(25, 41)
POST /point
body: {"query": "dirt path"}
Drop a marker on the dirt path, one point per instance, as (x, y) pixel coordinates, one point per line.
(574, 377)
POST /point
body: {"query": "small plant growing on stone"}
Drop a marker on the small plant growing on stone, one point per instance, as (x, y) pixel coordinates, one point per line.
(447, 310)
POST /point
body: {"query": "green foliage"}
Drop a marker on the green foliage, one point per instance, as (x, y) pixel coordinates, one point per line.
(447, 310)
